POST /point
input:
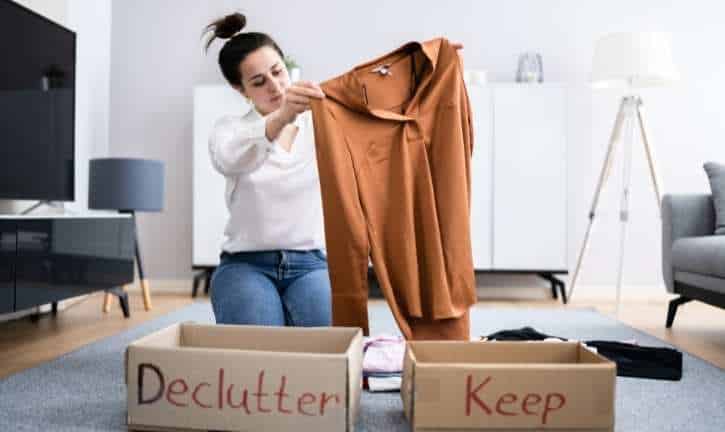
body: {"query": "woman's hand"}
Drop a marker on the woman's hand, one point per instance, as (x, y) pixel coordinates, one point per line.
(297, 99)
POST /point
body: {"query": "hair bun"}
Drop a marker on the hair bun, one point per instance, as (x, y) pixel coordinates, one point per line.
(225, 28)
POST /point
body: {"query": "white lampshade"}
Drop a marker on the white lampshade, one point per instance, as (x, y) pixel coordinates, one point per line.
(633, 60)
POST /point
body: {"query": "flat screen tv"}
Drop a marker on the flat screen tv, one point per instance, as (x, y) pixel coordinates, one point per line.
(37, 106)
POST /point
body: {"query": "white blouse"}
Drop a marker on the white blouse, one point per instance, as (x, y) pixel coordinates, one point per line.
(273, 195)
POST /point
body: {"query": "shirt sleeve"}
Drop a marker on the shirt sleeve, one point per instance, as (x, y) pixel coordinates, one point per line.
(238, 148)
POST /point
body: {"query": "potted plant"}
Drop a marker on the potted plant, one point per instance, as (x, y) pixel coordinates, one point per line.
(292, 68)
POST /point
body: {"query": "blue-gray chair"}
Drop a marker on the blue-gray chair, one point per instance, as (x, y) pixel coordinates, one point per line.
(693, 257)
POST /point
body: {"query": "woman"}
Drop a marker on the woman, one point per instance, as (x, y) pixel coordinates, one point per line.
(273, 270)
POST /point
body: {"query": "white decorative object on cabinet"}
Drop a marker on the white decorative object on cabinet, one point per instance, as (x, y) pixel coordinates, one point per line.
(519, 175)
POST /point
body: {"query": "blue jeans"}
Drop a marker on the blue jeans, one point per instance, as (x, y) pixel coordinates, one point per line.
(274, 288)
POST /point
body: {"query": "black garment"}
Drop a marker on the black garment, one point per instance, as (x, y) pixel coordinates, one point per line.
(522, 334)
(641, 361)
(632, 360)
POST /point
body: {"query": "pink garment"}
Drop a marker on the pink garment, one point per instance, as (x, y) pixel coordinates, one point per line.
(383, 354)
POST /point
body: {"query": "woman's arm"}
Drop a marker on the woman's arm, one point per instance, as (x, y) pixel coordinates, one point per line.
(237, 148)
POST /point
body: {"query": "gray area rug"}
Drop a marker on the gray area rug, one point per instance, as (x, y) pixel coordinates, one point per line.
(84, 390)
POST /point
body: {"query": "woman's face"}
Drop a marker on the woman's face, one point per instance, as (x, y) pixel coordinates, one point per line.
(264, 79)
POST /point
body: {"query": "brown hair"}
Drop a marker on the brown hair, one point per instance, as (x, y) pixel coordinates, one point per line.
(238, 46)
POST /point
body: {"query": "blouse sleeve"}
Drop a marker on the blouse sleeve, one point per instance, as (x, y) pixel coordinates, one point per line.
(238, 148)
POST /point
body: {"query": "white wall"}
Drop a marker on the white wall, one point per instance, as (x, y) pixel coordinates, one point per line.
(157, 59)
(92, 21)
(55, 10)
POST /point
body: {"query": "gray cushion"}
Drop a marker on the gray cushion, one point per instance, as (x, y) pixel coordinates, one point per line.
(709, 283)
(702, 255)
(716, 175)
(683, 215)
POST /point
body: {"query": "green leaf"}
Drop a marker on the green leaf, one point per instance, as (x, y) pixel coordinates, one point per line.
(290, 63)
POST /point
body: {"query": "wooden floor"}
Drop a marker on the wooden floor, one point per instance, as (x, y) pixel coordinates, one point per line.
(699, 328)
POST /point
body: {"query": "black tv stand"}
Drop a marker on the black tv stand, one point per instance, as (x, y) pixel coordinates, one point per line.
(45, 259)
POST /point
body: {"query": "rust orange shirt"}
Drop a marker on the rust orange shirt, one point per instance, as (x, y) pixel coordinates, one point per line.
(394, 142)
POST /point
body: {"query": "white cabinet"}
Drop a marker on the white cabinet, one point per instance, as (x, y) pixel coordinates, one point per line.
(211, 102)
(519, 175)
(481, 177)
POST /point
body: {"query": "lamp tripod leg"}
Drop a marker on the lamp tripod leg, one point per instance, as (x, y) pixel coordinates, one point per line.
(620, 265)
(624, 206)
(120, 292)
(107, 302)
(603, 177)
(146, 294)
(651, 159)
(142, 280)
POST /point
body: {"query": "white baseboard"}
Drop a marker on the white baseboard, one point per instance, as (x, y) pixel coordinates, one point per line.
(165, 286)
(498, 287)
(532, 287)
(628, 292)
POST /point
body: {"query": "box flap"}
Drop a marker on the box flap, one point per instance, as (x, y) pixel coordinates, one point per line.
(354, 379)
(495, 352)
(407, 390)
(167, 337)
(328, 340)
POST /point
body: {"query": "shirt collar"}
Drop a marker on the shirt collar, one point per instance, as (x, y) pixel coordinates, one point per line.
(347, 89)
(252, 113)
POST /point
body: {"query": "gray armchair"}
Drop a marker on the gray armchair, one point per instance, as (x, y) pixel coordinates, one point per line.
(693, 258)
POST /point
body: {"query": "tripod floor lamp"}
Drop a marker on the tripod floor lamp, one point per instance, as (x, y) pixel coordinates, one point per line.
(127, 185)
(627, 61)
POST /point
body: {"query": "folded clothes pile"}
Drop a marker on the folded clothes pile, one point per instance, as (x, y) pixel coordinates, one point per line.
(383, 362)
(632, 359)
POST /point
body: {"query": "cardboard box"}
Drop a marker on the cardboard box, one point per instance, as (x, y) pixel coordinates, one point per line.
(498, 386)
(245, 378)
